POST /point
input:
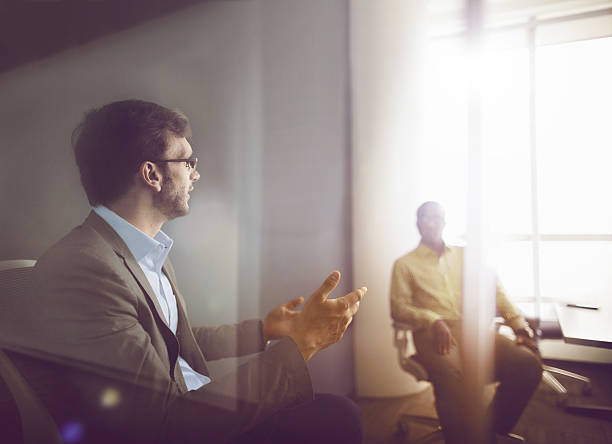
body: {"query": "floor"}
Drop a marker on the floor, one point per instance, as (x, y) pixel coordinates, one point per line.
(542, 422)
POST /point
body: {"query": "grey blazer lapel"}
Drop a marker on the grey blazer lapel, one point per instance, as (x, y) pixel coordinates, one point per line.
(107, 232)
(190, 350)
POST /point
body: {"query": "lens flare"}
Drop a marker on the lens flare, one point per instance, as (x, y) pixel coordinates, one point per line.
(110, 398)
(72, 431)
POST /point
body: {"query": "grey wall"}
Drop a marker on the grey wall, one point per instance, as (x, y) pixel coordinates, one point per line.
(305, 163)
(265, 84)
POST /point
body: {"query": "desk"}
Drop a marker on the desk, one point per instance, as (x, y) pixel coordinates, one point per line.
(586, 327)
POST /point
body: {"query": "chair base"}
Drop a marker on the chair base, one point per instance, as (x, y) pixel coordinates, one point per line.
(589, 409)
(574, 406)
(437, 435)
(548, 375)
(404, 428)
(434, 436)
(512, 437)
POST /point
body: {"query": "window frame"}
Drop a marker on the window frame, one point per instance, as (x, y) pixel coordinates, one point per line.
(531, 26)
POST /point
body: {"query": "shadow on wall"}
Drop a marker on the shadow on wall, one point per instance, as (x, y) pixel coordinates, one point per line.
(37, 29)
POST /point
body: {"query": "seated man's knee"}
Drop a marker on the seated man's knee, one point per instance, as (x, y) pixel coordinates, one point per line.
(447, 382)
(529, 367)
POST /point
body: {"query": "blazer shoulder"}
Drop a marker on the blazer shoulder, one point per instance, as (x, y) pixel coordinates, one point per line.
(83, 245)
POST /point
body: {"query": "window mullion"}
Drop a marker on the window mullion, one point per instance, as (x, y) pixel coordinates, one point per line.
(535, 224)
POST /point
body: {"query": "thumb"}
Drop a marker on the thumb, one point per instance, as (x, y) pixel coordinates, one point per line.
(329, 284)
(294, 303)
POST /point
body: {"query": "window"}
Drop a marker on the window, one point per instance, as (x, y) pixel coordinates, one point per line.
(546, 113)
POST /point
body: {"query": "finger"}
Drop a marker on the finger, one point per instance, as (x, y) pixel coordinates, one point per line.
(348, 322)
(449, 342)
(352, 298)
(294, 303)
(354, 308)
(329, 284)
(520, 340)
(343, 325)
(452, 340)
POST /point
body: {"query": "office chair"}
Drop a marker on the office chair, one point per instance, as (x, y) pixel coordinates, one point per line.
(552, 330)
(402, 334)
(37, 425)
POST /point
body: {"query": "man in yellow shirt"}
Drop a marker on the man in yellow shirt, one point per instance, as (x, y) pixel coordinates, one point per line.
(426, 291)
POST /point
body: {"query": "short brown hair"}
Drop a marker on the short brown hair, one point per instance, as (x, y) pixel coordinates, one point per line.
(112, 141)
(423, 207)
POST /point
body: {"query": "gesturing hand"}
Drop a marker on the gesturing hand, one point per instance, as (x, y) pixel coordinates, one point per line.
(279, 322)
(322, 321)
(443, 338)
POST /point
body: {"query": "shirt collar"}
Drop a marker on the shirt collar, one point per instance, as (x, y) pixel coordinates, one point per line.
(425, 250)
(139, 243)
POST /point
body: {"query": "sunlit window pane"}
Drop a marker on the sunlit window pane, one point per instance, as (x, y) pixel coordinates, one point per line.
(573, 145)
(515, 269)
(574, 136)
(506, 140)
(577, 271)
(445, 132)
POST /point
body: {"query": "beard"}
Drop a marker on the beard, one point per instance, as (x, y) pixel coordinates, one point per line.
(171, 201)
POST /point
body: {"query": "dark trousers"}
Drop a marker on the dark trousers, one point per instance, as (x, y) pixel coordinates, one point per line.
(517, 369)
(328, 419)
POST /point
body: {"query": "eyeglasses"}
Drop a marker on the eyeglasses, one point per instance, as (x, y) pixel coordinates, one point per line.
(190, 163)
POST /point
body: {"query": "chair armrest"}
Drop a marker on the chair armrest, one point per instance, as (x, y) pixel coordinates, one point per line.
(403, 325)
(402, 332)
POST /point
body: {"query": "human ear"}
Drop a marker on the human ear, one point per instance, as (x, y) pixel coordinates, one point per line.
(151, 176)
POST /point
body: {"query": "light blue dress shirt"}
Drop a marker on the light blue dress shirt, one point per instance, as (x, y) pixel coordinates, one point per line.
(151, 253)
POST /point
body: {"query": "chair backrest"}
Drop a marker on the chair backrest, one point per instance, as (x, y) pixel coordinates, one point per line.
(37, 426)
(16, 264)
(14, 282)
(402, 334)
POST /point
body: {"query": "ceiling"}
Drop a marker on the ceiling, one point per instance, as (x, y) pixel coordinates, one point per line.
(33, 29)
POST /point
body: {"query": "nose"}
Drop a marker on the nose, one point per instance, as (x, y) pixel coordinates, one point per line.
(195, 176)
(432, 223)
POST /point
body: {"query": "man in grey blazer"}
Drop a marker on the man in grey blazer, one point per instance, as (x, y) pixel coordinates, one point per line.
(107, 295)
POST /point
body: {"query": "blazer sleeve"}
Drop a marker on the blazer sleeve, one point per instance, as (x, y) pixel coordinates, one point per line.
(226, 341)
